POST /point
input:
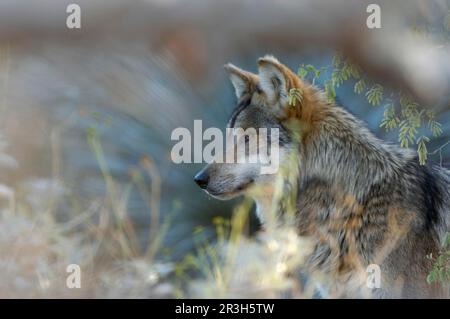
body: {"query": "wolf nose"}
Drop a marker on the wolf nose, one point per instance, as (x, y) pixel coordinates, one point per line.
(202, 179)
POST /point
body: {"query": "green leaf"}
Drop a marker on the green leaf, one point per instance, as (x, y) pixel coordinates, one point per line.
(337, 78)
(422, 149)
(302, 72)
(295, 94)
(432, 276)
(337, 60)
(346, 71)
(407, 133)
(360, 86)
(355, 71)
(330, 91)
(434, 126)
(390, 118)
(318, 72)
(375, 94)
(310, 68)
(407, 102)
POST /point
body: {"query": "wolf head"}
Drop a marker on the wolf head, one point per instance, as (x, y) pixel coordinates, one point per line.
(262, 102)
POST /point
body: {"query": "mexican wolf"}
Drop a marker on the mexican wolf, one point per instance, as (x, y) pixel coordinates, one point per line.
(360, 200)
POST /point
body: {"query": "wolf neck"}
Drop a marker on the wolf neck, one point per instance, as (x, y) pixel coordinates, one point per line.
(342, 152)
(337, 150)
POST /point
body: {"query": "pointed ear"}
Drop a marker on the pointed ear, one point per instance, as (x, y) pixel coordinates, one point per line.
(242, 80)
(275, 79)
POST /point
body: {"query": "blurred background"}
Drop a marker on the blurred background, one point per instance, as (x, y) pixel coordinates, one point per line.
(87, 114)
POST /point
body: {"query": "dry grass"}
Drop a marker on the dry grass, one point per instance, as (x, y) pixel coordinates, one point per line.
(37, 245)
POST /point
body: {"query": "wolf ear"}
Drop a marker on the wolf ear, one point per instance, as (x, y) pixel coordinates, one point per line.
(240, 79)
(275, 80)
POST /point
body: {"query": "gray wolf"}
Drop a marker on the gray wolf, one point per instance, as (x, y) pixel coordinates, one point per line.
(362, 201)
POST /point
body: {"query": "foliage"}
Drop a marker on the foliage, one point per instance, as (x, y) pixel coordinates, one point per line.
(415, 123)
(295, 95)
(441, 264)
(239, 267)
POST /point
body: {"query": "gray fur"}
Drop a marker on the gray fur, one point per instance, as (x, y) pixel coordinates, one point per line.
(362, 200)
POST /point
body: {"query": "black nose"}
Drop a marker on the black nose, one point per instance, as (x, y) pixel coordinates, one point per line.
(202, 179)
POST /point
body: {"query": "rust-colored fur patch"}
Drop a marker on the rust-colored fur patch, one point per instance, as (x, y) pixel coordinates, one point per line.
(309, 109)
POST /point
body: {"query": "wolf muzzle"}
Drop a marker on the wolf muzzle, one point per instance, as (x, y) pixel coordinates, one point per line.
(202, 179)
